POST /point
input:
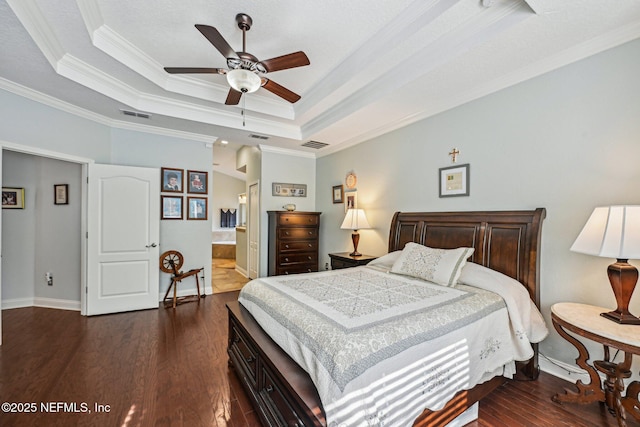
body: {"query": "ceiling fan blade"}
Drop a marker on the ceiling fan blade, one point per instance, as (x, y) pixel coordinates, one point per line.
(187, 70)
(292, 60)
(281, 91)
(233, 97)
(217, 40)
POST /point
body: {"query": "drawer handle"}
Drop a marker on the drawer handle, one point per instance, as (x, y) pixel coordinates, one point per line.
(286, 219)
(236, 339)
(286, 259)
(286, 246)
(309, 270)
(286, 232)
(310, 233)
(249, 359)
(286, 272)
(310, 245)
(309, 257)
(269, 388)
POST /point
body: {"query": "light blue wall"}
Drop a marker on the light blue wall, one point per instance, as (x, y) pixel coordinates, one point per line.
(567, 141)
(31, 126)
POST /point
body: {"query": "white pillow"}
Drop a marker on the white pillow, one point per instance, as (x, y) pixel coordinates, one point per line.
(441, 266)
(385, 262)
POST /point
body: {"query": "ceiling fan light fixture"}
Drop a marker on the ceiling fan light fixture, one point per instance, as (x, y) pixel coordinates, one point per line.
(244, 81)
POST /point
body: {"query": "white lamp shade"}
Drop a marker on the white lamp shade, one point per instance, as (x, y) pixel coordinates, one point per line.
(244, 81)
(355, 219)
(611, 232)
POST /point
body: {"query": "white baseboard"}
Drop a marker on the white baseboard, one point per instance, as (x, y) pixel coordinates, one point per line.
(242, 271)
(563, 370)
(60, 304)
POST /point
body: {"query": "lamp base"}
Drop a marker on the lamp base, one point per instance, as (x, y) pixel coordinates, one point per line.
(621, 318)
(355, 254)
(623, 278)
(355, 238)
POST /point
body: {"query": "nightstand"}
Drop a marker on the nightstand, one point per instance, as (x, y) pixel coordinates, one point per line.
(344, 260)
(585, 321)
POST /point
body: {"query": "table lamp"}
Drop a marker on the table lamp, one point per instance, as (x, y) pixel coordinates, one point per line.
(355, 220)
(614, 232)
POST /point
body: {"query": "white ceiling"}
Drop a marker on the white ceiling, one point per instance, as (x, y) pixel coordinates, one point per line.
(376, 65)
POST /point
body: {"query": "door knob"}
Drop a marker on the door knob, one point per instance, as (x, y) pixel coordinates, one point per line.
(153, 245)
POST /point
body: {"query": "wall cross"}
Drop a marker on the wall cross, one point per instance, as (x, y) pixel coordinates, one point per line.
(454, 154)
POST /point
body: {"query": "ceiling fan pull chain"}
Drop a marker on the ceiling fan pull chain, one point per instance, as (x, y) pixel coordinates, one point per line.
(242, 112)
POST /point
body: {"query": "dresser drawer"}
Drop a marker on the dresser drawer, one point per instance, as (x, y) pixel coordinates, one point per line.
(296, 268)
(297, 233)
(297, 257)
(298, 246)
(298, 219)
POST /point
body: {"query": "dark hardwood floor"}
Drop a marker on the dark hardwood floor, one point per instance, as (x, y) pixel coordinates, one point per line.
(168, 367)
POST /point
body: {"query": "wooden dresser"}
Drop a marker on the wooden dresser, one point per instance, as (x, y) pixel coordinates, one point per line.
(293, 242)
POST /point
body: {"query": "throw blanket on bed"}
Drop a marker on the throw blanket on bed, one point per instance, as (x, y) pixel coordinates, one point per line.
(382, 347)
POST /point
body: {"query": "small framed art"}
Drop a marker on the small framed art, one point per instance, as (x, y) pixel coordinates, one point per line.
(454, 181)
(172, 180)
(61, 194)
(338, 194)
(288, 190)
(12, 198)
(351, 200)
(197, 208)
(171, 207)
(197, 182)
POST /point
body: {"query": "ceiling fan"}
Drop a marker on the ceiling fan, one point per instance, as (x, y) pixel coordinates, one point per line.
(244, 74)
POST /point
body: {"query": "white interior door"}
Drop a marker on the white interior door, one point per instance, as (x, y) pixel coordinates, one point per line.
(253, 229)
(123, 224)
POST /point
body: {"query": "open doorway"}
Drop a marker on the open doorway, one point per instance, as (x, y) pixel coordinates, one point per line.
(41, 239)
(228, 263)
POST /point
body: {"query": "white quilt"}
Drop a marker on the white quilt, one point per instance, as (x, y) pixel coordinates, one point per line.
(381, 347)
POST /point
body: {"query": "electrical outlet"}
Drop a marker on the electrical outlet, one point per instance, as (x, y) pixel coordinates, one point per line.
(326, 265)
(49, 277)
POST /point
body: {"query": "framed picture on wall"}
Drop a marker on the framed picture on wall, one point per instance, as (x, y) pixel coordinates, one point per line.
(350, 200)
(171, 207)
(12, 198)
(197, 208)
(172, 180)
(61, 194)
(338, 194)
(197, 182)
(454, 181)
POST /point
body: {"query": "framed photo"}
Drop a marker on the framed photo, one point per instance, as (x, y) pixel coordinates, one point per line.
(288, 190)
(197, 208)
(12, 198)
(61, 194)
(171, 207)
(351, 200)
(338, 194)
(197, 182)
(454, 181)
(172, 180)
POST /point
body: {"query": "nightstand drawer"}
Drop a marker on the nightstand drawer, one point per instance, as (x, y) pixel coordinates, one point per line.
(344, 260)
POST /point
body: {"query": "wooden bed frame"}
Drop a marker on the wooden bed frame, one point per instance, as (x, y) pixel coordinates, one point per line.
(282, 392)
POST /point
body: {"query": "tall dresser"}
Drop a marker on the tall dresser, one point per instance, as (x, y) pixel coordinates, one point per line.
(293, 242)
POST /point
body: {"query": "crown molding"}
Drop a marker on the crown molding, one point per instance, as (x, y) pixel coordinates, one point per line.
(481, 28)
(122, 50)
(584, 50)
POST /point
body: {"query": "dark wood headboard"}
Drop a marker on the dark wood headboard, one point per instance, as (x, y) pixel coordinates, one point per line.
(506, 241)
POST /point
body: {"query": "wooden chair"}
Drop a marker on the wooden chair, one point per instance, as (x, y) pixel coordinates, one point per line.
(171, 262)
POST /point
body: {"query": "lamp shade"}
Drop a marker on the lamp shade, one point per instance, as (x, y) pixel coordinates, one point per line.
(611, 232)
(244, 81)
(355, 219)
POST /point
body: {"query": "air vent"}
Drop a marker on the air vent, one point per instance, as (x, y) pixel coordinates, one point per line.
(315, 144)
(253, 135)
(136, 114)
